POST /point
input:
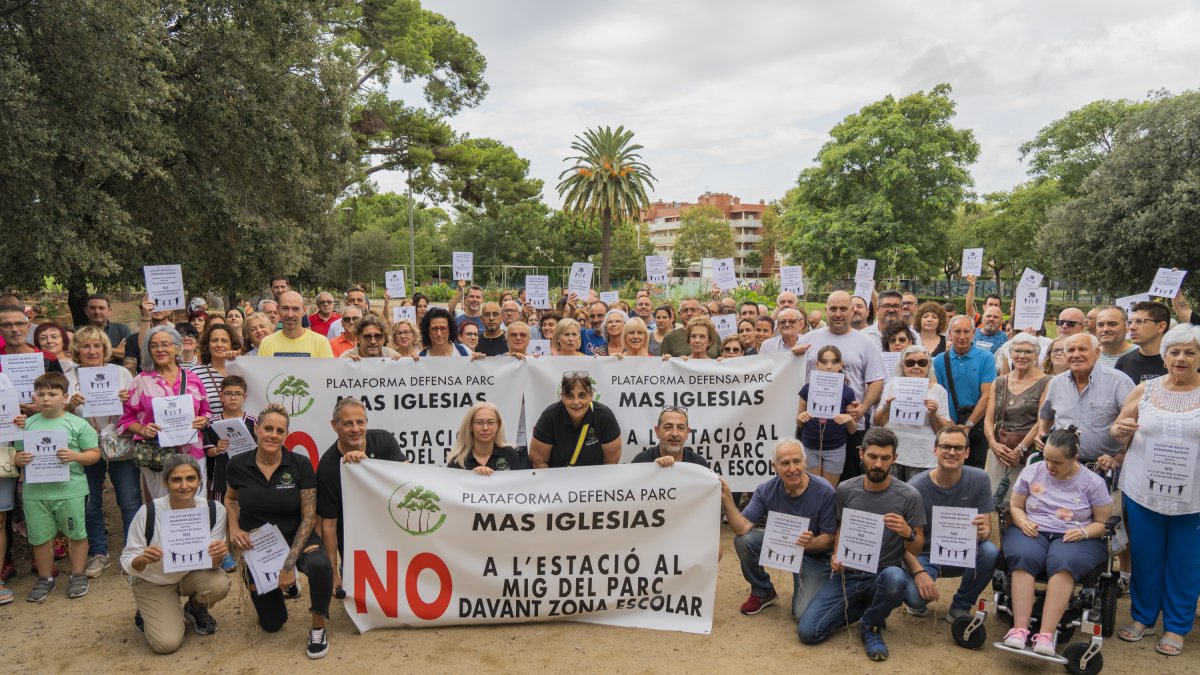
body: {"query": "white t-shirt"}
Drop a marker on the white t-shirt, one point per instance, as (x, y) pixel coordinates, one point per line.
(860, 357)
(916, 442)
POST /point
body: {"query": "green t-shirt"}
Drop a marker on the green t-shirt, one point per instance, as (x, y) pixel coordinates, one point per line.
(80, 436)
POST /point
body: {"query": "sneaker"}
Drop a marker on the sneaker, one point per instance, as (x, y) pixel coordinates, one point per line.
(96, 565)
(318, 643)
(1043, 643)
(757, 603)
(228, 563)
(919, 613)
(138, 622)
(77, 586)
(41, 588)
(201, 620)
(1016, 638)
(292, 592)
(955, 613)
(873, 643)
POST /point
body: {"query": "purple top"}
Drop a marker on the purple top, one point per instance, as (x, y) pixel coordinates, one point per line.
(149, 385)
(1056, 505)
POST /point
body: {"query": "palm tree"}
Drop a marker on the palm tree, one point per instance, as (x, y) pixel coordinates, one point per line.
(608, 181)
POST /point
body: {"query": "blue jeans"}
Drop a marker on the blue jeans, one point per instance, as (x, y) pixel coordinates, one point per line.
(973, 580)
(866, 597)
(126, 480)
(814, 572)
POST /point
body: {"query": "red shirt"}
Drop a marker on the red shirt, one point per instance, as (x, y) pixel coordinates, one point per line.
(319, 325)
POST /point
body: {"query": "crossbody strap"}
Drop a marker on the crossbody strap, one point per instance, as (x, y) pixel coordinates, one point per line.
(950, 381)
(579, 443)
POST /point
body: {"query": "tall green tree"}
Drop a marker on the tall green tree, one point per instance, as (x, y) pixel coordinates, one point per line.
(885, 187)
(1008, 232)
(607, 181)
(1071, 147)
(703, 233)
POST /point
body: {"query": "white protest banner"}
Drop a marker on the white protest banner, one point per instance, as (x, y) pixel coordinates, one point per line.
(909, 404)
(164, 285)
(656, 269)
(405, 313)
(265, 558)
(890, 360)
(737, 408)
(539, 347)
(726, 325)
(580, 282)
(972, 262)
(421, 402)
(953, 537)
(394, 280)
(537, 290)
(1171, 470)
(174, 416)
(629, 545)
(724, 274)
(610, 298)
(1030, 278)
(10, 407)
(464, 265)
(1126, 303)
(791, 278)
(237, 433)
(1030, 311)
(99, 387)
(46, 467)
(825, 394)
(864, 270)
(865, 288)
(1167, 282)
(185, 539)
(22, 370)
(779, 547)
(860, 540)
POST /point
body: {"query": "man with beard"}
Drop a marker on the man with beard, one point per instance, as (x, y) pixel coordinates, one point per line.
(853, 595)
(990, 335)
(672, 432)
(860, 313)
(891, 303)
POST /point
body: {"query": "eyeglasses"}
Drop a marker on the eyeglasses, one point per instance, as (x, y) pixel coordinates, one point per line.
(486, 424)
(234, 394)
(785, 322)
(1023, 352)
(572, 374)
(13, 324)
(731, 350)
(912, 363)
(373, 337)
(439, 329)
(491, 315)
(349, 319)
(1067, 323)
(952, 449)
(324, 302)
(1057, 350)
(403, 333)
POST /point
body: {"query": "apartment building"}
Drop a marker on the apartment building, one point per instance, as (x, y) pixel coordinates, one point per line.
(663, 219)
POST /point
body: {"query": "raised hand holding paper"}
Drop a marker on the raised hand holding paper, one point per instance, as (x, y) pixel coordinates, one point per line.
(99, 387)
(825, 394)
(724, 274)
(1126, 303)
(791, 278)
(656, 269)
(464, 264)
(22, 370)
(864, 270)
(953, 537)
(537, 291)
(972, 262)
(610, 298)
(237, 433)
(726, 324)
(394, 279)
(909, 404)
(46, 467)
(860, 540)
(265, 559)
(185, 539)
(164, 285)
(402, 313)
(174, 416)
(1030, 311)
(864, 288)
(539, 348)
(779, 547)
(580, 282)
(1167, 282)
(1030, 278)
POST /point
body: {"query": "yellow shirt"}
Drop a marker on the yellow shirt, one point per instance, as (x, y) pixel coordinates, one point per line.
(309, 344)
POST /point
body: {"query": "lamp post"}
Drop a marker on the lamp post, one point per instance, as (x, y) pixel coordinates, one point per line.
(346, 211)
(412, 238)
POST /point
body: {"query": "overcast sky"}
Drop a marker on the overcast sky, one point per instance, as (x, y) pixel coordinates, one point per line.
(738, 97)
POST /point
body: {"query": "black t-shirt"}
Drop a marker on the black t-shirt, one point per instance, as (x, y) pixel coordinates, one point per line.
(380, 445)
(1140, 368)
(492, 346)
(276, 500)
(554, 428)
(650, 454)
(503, 459)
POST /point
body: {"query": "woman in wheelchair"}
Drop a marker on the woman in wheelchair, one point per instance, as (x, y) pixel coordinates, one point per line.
(1057, 517)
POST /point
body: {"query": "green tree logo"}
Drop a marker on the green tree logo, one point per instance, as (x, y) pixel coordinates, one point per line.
(414, 510)
(291, 392)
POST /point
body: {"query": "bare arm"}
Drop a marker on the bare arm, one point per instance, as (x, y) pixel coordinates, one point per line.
(612, 451)
(539, 454)
(985, 395)
(233, 511)
(737, 522)
(969, 301)
(874, 389)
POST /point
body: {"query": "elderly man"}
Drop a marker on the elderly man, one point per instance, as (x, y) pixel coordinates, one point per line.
(967, 373)
(324, 318)
(788, 323)
(271, 309)
(1071, 321)
(1112, 326)
(348, 340)
(676, 342)
(794, 492)
(990, 335)
(1150, 322)
(785, 300)
(1092, 314)
(356, 296)
(510, 312)
(98, 312)
(492, 340)
(890, 305)
(371, 342)
(1088, 396)
(816, 319)
(673, 433)
(294, 339)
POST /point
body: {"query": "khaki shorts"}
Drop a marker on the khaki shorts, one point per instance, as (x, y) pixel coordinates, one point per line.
(45, 518)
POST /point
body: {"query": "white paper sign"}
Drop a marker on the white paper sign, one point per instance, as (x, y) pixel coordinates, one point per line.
(953, 537)
(537, 291)
(394, 279)
(909, 405)
(99, 387)
(402, 313)
(1171, 470)
(864, 270)
(1030, 311)
(825, 394)
(791, 278)
(464, 263)
(538, 348)
(164, 285)
(1126, 303)
(860, 540)
(266, 557)
(1167, 282)
(46, 467)
(656, 269)
(726, 325)
(972, 262)
(237, 433)
(22, 370)
(890, 360)
(186, 536)
(581, 279)
(779, 547)
(724, 274)
(174, 415)
(10, 407)
(864, 289)
(1030, 278)
(610, 298)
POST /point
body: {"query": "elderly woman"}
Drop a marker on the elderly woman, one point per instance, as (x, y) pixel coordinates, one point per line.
(929, 322)
(480, 445)
(566, 338)
(915, 452)
(440, 337)
(732, 347)
(258, 326)
(518, 335)
(635, 337)
(1057, 517)
(1161, 497)
(614, 331)
(92, 349)
(372, 340)
(162, 376)
(701, 334)
(406, 339)
(576, 431)
(157, 592)
(1012, 414)
(271, 485)
(53, 339)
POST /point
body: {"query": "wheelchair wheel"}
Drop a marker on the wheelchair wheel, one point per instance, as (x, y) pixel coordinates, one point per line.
(1108, 608)
(1074, 652)
(959, 629)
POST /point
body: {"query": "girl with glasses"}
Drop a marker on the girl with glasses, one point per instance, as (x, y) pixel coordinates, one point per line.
(914, 454)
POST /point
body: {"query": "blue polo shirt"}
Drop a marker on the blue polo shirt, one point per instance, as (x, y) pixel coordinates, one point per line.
(989, 342)
(971, 371)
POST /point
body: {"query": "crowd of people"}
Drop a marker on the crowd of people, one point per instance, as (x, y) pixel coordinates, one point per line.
(1111, 390)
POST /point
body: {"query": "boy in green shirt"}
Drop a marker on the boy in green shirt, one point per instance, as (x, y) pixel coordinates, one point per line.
(54, 507)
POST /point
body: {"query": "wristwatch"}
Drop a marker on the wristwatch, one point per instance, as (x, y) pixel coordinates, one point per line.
(912, 535)
(968, 424)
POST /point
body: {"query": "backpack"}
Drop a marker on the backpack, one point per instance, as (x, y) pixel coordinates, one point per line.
(212, 518)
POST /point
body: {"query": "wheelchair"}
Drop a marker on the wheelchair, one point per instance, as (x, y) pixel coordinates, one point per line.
(1092, 609)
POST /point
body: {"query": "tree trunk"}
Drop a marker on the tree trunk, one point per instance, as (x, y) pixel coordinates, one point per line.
(999, 283)
(77, 295)
(605, 241)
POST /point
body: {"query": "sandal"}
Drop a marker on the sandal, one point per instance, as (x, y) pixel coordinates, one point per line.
(1133, 632)
(1169, 646)
(6, 595)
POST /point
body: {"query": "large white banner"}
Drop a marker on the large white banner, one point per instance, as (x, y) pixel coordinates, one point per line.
(422, 403)
(629, 545)
(737, 408)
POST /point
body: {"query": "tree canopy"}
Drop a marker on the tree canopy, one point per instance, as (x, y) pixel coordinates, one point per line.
(703, 233)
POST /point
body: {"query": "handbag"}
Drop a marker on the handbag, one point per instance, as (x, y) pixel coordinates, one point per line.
(1009, 439)
(8, 462)
(149, 454)
(113, 446)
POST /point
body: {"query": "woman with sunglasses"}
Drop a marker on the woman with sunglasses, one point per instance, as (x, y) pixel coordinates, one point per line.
(576, 431)
(731, 347)
(1012, 414)
(915, 451)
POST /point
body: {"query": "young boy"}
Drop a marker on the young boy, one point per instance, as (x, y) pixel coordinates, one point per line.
(54, 507)
(233, 396)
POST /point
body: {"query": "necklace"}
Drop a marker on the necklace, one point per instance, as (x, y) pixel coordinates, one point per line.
(259, 457)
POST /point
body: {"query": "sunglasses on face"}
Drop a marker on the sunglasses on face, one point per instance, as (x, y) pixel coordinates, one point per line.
(1067, 323)
(912, 363)
(373, 337)
(349, 319)
(731, 350)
